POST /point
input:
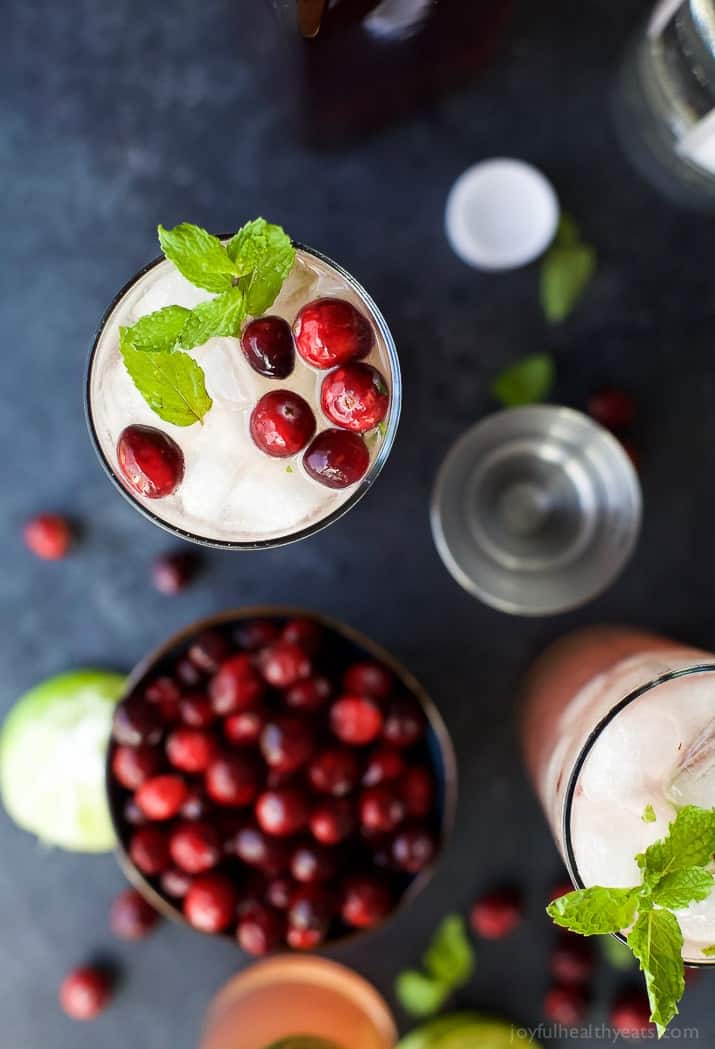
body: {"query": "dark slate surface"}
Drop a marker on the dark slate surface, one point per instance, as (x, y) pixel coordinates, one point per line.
(118, 115)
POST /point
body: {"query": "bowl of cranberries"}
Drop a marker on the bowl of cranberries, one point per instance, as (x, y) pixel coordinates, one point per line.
(278, 778)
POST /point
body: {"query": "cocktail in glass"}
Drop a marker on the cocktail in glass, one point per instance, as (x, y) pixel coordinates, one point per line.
(298, 1002)
(618, 732)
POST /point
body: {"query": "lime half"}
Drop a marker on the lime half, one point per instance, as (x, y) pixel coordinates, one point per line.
(53, 747)
(467, 1031)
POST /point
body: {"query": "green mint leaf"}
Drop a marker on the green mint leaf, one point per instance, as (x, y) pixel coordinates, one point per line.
(526, 382)
(418, 994)
(649, 815)
(263, 256)
(657, 942)
(709, 952)
(172, 384)
(158, 331)
(690, 842)
(220, 316)
(198, 256)
(289, 469)
(566, 270)
(679, 888)
(450, 956)
(595, 910)
(616, 953)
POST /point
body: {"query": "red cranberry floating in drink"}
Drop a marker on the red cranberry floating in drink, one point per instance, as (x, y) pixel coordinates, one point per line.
(355, 719)
(312, 863)
(85, 993)
(308, 695)
(366, 900)
(210, 904)
(282, 423)
(565, 1005)
(282, 811)
(267, 345)
(334, 771)
(336, 458)
(381, 809)
(332, 821)
(496, 914)
(404, 723)
(131, 766)
(244, 729)
(232, 780)
(48, 536)
(237, 685)
(286, 743)
(260, 931)
(131, 916)
(150, 461)
(413, 849)
(612, 408)
(161, 797)
(149, 850)
(355, 397)
(195, 847)
(190, 749)
(283, 663)
(172, 573)
(331, 331)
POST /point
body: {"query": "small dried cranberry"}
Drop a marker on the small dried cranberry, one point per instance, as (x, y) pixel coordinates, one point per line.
(237, 686)
(260, 931)
(136, 722)
(196, 710)
(232, 780)
(355, 719)
(308, 695)
(368, 679)
(565, 1005)
(210, 904)
(208, 651)
(332, 821)
(149, 850)
(283, 663)
(161, 797)
(418, 791)
(497, 913)
(48, 536)
(195, 847)
(334, 771)
(283, 811)
(366, 900)
(131, 916)
(131, 766)
(85, 992)
(244, 729)
(172, 573)
(312, 863)
(404, 723)
(286, 743)
(190, 749)
(384, 764)
(413, 849)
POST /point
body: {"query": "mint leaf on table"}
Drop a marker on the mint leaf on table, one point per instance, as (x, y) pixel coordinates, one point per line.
(450, 955)
(263, 255)
(198, 256)
(682, 887)
(220, 316)
(595, 910)
(158, 331)
(566, 270)
(690, 842)
(657, 943)
(419, 994)
(172, 384)
(649, 815)
(528, 381)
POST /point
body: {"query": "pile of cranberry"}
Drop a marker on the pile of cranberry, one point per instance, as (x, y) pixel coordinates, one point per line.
(274, 784)
(328, 333)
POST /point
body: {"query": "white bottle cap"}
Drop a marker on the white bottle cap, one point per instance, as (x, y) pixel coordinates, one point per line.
(501, 213)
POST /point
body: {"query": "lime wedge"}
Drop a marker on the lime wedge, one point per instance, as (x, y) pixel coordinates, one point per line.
(467, 1031)
(52, 753)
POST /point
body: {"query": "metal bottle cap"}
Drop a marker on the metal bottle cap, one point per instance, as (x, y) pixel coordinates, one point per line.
(536, 510)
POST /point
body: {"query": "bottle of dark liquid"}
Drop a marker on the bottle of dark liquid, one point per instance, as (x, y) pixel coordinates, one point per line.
(356, 65)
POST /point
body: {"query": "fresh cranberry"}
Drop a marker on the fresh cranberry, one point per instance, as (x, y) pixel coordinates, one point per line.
(404, 723)
(175, 883)
(253, 634)
(355, 397)
(331, 331)
(85, 993)
(337, 458)
(303, 939)
(133, 815)
(162, 690)
(131, 917)
(282, 812)
(195, 847)
(286, 743)
(355, 719)
(244, 729)
(496, 914)
(152, 463)
(190, 749)
(232, 779)
(381, 809)
(188, 673)
(210, 904)
(630, 1015)
(197, 711)
(572, 960)
(384, 764)
(208, 651)
(283, 663)
(261, 850)
(305, 633)
(308, 695)
(632, 451)
(237, 685)
(332, 821)
(334, 771)
(613, 408)
(161, 797)
(196, 806)
(312, 863)
(48, 536)
(149, 850)
(565, 1005)
(310, 910)
(136, 722)
(417, 790)
(131, 766)
(413, 849)
(282, 423)
(562, 889)
(172, 573)
(368, 679)
(260, 931)
(279, 892)
(366, 900)
(267, 345)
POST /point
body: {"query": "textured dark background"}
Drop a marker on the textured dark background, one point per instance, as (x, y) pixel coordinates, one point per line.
(116, 115)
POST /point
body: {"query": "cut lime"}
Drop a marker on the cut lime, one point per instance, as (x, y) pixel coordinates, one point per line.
(52, 754)
(467, 1031)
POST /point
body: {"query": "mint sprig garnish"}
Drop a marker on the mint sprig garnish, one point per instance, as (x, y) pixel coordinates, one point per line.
(675, 874)
(246, 275)
(528, 381)
(566, 271)
(448, 965)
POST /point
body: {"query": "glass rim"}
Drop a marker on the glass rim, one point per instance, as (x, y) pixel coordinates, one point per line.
(392, 421)
(593, 737)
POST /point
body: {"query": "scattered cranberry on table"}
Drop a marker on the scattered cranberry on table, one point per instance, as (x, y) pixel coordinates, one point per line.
(496, 914)
(630, 1015)
(85, 992)
(48, 536)
(172, 573)
(331, 331)
(572, 961)
(131, 916)
(613, 408)
(151, 462)
(566, 1005)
